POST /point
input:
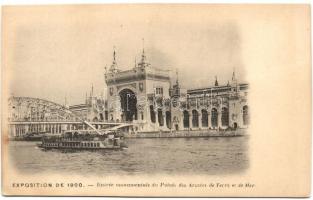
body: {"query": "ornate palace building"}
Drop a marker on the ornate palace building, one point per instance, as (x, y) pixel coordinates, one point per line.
(94, 108)
(145, 96)
(141, 99)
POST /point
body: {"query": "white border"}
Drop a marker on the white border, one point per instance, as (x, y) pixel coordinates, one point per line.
(55, 2)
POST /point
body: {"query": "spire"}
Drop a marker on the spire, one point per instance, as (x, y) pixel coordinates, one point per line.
(143, 62)
(114, 55)
(233, 78)
(113, 67)
(143, 56)
(177, 77)
(86, 98)
(91, 92)
(216, 83)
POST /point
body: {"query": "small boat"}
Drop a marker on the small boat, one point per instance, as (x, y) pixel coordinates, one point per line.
(82, 140)
(33, 136)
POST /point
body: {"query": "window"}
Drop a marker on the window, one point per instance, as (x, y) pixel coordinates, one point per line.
(152, 114)
(159, 90)
(204, 118)
(195, 118)
(245, 115)
(186, 119)
(160, 117)
(214, 117)
(225, 117)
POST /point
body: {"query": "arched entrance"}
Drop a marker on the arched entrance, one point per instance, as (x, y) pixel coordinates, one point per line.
(128, 105)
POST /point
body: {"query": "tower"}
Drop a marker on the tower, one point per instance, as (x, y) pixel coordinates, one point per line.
(113, 68)
(216, 82)
(143, 63)
(136, 95)
(234, 84)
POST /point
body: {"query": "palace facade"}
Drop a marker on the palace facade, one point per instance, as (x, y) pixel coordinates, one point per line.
(145, 96)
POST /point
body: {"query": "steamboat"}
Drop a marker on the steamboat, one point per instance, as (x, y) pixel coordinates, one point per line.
(87, 140)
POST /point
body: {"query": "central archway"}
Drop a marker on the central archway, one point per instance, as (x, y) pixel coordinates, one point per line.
(128, 105)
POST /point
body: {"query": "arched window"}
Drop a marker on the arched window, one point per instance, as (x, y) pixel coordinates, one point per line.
(160, 117)
(186, 119)
(225, 117)
(204, 119)
(214, 117)
(245, 115)
(168, 119)
(152, 114)
(195, 118)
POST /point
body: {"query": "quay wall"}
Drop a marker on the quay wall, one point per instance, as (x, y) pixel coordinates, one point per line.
(187, 134)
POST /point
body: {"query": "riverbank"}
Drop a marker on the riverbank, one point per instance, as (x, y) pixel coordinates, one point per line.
(167, 134)
(187, 134)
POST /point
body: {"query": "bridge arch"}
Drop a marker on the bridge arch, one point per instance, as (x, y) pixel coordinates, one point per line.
(35, 109)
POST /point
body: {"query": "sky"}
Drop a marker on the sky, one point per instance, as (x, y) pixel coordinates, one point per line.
(58, 52)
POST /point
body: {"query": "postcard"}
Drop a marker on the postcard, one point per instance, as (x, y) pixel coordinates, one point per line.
(156, 100)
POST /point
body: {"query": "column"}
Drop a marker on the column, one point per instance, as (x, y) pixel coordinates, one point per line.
(157, 118)
(219, 119)
(148, 117)
(209, 119)
(190, 120)
(164, 119)
(27, 128)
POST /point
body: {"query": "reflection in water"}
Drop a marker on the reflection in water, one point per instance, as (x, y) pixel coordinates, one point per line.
(211, 155)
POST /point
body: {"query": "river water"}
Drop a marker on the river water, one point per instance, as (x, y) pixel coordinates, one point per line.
(211, 155)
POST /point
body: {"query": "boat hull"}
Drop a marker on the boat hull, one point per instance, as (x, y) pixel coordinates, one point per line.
(43, 146)
(79, 148)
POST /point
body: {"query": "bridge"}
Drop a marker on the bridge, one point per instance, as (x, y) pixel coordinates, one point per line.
(34, 115)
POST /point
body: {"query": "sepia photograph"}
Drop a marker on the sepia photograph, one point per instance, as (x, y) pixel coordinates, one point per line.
(134, 91)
